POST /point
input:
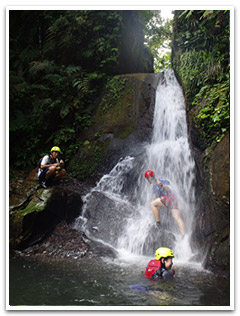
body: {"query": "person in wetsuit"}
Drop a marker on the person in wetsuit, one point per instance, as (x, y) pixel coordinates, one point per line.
(165, 255)
(164, 198)
(161, 268)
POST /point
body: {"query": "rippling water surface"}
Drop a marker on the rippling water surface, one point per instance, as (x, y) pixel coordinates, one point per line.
(91, 282)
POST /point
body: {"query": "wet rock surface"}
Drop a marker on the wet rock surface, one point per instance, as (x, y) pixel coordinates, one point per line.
(105, 217)
(41, 219)
(35, 211)
(158, 237)
(66, 244)
(211, 231)
(140, 118)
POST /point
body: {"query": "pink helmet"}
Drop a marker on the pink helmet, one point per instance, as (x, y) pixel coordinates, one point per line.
(149, 173)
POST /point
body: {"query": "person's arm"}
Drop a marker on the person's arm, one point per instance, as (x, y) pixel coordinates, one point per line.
(61, 163)
(167, 275)
(44, 163)
(157, 275)
(165, 187)
(50, 165)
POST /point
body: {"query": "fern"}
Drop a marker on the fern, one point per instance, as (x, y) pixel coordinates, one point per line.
(62, 136)
(35, 67)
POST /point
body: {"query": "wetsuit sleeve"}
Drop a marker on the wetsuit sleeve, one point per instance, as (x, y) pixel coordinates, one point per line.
(167, 275)
(157, 275)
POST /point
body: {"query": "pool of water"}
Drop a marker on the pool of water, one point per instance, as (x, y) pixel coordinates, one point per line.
(108, 282)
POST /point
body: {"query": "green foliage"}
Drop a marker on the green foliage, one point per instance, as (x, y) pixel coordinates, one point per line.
(215, 114)
(198, 68)
(113, 91)
(59, 63)
(72, 149)
(45, 110)
(202, 61)
(158, 34)
(162, 61)
(92, 154)
(62, 136)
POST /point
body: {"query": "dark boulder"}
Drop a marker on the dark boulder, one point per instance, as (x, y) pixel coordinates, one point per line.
(105, 217)
(35, 211)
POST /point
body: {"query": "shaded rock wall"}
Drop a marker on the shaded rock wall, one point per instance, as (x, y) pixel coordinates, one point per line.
(120, 127)
(135, 57)
(211, 229)
(212, 225)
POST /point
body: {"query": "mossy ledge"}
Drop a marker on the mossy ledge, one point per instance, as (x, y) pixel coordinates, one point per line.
(124, 112)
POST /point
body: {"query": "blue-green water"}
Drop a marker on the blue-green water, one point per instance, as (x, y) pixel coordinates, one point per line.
(91, 282)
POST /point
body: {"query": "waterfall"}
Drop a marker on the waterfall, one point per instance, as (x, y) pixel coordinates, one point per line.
(122, 214)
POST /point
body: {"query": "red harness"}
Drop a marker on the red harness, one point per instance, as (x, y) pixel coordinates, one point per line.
(169, 200)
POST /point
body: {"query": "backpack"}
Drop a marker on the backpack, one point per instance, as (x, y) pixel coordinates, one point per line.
(40, 160)
(152, 267)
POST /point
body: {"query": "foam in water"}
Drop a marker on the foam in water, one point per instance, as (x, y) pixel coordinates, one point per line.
(169, 156)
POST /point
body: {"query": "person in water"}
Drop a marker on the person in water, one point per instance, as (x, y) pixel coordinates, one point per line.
(161, 267)
(51, 168)
(165, 255)
(164, 198)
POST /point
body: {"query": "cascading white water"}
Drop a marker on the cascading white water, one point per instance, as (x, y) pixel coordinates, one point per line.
(127, 225)
(169, 156)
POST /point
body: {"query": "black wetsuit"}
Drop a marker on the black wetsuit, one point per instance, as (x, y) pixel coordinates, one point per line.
(162, 273)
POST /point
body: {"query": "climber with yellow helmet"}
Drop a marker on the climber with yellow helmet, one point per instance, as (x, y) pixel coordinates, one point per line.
(51, 168)
(161, 267)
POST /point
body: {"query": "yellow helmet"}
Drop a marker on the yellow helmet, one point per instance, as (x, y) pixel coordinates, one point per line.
(163, 252)
(55, 148)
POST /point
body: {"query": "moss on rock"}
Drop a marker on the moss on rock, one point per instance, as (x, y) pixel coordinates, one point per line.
(124, 107)
(37, 203)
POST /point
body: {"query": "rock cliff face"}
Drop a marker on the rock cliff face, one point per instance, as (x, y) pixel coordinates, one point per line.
(211, 231)
(36, 213)
(122, 119)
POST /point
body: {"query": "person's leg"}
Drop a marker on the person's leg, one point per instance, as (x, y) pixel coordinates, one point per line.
(59, 175)
(42, 175)
(176, 215)
(155, 204)
(50, 172)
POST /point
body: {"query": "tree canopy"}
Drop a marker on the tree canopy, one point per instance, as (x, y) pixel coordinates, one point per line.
(59, 61)
(201, 57)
